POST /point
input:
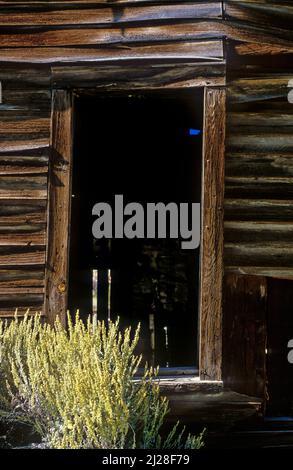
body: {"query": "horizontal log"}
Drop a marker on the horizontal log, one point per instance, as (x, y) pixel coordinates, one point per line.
(256, 89)
(259, 254)
(23, 277)
(28, 187)
(274, 141)
(22, 212)
(257, 49)
(258, 209)
(18, 97)
(212, 50)
(256, 231)
(23, 165)
(140, 76)
(266, 118)
(22, 256)
(23, 145)
(7, 291)
(31, 310)
(102, 36)
(269, 271)
(28, 76)
(41, 125)
(110, 15)
(259, 164)
(277, 13)
(20, 300)
(10, 236)
(269, 187)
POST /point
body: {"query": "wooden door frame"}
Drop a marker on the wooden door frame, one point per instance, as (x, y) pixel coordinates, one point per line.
(211, 250)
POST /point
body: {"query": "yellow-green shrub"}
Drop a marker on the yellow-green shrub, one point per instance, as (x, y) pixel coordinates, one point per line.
(76, 386)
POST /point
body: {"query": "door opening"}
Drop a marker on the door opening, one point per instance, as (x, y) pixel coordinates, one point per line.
(148, 148)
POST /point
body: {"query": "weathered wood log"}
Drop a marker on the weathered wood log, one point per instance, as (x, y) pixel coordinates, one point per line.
(27, 187)
(256, 232)
(39, 125)
(212, 50)
(259, 254)
(9, 145)
(259, 164)
(23, 165)
(28, 276)
(140, 76)
(116, 36)
(22, 212)
(22, 256)
(210, 361)
(110, 15)
(274, 141)
(245, 300)
(269, 187)
(60, 181)
(267, 271)
(255, 89)
(258, 209)
(30, 310)
(266, 118)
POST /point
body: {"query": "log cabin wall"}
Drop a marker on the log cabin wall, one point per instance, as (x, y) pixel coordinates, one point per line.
(49, 45)
(258, 187)
(46, 45)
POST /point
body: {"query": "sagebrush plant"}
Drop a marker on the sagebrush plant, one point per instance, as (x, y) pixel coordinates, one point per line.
(77, 386)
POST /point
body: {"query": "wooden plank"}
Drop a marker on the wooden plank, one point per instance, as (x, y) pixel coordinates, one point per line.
(256, 231)
(274, 141)
(140, 76)
(28, 76)
(262, 187)
(267, 271)
(21, 256)
(24, 165)
(110, 15)
(266, 118)
(22, 212)
(256, 11)
(259, 254)
(32, 236)
(208, 50)
(23, 277)
(259, 164)
(256, 49)
(28, 310)
(28, 187)
(8, 145)
(20, 300)
(212, 236)
(38, 125)
(258, 209)
(198, 30)
(59, 206)
(245, 303)
(258, 89)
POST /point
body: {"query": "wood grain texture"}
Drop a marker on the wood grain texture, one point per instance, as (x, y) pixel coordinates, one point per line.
(212, 236)
(151, 76)
(245, 335)
(21, 277)
(59, 206)
(212, 50)
(110, 15)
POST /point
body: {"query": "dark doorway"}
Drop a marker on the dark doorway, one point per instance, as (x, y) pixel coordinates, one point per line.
(146, 147)
(280, 332)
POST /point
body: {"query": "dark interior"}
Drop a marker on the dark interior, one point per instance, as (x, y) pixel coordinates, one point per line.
(148, 148)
